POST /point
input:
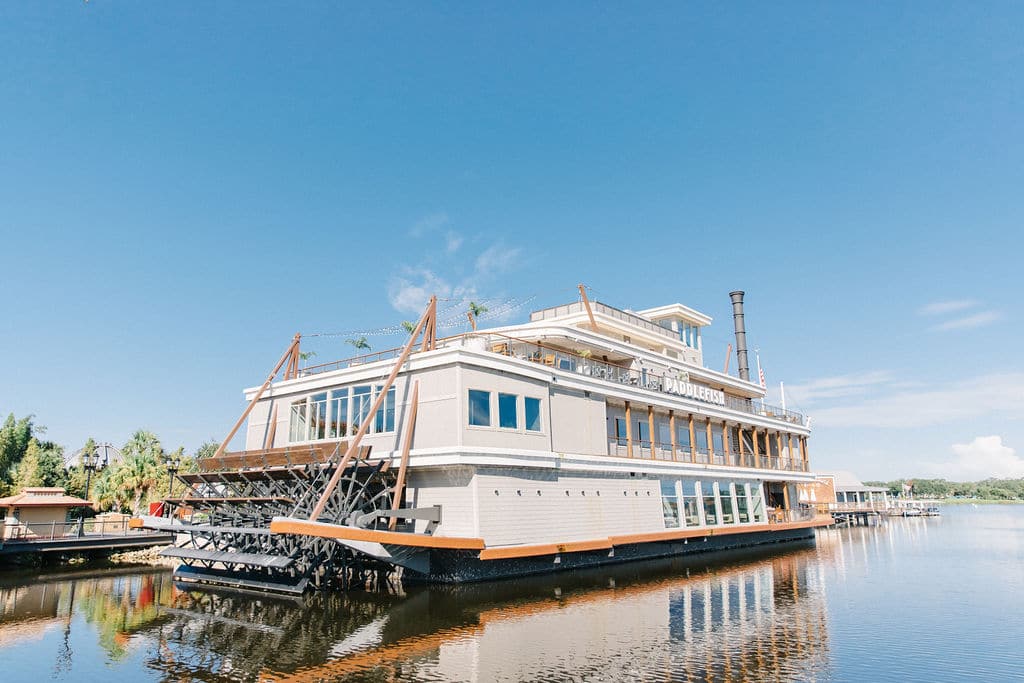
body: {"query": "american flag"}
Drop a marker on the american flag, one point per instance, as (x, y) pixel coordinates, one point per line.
(760, 373)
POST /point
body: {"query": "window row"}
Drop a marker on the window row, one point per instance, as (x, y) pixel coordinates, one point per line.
(767, 444)
(511, 410)
(693, 503)
(339, 412)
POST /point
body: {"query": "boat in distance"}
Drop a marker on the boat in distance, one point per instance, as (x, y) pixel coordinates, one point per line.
(584, 436)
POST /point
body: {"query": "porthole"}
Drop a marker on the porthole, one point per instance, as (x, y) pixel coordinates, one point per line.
(495, 491)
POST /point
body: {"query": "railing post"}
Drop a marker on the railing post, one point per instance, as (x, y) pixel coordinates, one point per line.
(53, 528)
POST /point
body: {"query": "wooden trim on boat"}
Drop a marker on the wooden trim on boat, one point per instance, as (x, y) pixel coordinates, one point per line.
(305, 527)
(544, 549)
(669, 535)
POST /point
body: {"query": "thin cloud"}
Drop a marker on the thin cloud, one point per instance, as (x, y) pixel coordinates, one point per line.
(969, 322)
(838, 386)
(429, 224)
(410, 292)
(946, 307)
(452, 241)
(497, 259)
(982, 458)
(997, 394)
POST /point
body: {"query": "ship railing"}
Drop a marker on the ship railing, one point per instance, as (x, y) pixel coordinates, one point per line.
(15, 531)
(583, 363)
(604, 309)
(800, 514)
(641, 448)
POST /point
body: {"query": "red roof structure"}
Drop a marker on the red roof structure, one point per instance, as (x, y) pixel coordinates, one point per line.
(42, 496)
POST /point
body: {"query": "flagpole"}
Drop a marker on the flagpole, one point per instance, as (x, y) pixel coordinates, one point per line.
(782, 390)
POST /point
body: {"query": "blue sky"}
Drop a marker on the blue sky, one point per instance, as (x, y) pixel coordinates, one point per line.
(184, 187)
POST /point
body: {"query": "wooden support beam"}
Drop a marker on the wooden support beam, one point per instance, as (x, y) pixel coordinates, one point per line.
(693, 439)
(785, 496)
(650, 428)
(789, 453)
(353, 446)
(410, 428)
(803, 452)
(743, 455)
(586, 305)
(672, 431)
(252, 404)
(629, 431)
(725, 442)
(728, 356)
(757, 449)
(711, 440)
(778, 447)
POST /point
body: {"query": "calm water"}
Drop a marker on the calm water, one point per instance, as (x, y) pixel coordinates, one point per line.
(914, 600)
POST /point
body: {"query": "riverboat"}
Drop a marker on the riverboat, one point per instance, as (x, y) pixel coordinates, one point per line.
(587, 435)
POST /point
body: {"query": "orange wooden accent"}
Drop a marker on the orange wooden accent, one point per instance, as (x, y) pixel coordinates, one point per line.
(790, 437)
(272, 429)
(135, 523)
(711, 440)
(302, 527)
(778, 442)
(803, 451)
(650, 430)
(672, 431)
(725, 442)
(757, 448)
(428, 318)
(271, 457)
(586, 305)
(743, 455)
(629, 431)
(693, 439)
(410, 427)
(259, 393)
(728, 356)
(509, 552)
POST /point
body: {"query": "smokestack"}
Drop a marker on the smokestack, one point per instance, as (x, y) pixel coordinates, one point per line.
(741, 334)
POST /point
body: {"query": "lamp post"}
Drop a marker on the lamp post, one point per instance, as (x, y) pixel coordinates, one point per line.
(173, 464)
(91, 463)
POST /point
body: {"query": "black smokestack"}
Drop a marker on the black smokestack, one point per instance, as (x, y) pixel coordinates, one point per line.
(741, 334)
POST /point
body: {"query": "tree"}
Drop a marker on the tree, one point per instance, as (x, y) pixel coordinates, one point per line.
(207, 449)
(141, 467)
(14, 439)
(360, 343)
(408, 326)
(42, 465)
(475, 310)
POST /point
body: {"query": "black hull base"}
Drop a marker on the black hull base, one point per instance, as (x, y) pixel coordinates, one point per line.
(454, 566)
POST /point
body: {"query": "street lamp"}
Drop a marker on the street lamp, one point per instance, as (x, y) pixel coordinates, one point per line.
(91, 463)
(173, 464)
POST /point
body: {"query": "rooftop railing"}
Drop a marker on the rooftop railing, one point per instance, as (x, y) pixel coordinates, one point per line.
(610, 311)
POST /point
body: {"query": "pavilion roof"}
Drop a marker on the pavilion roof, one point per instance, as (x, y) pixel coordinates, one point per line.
(42, 496)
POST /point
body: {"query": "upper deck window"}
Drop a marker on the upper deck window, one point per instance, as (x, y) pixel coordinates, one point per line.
(479, 408)
(339, 413)
(507, 417)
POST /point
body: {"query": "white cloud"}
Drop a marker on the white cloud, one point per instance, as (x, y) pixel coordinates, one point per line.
(993, 394)
(943, 307)
(838, 386)
(497, 259)
(410, 292)
(969, 322)
(428, 224)
(984, 457)
(452, 241)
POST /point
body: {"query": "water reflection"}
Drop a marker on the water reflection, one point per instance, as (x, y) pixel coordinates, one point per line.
(749, 616)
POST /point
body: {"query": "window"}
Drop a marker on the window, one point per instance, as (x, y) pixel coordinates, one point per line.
(643, 433)
(507, 417)
(479, 408)
(683, 435)
(669, 504)
(532, 414)
(339, 425)
(691, 503)
(710, 513)
(620, 431)
(725, 497)
(742, 504)
(384, 420)
(340, 413)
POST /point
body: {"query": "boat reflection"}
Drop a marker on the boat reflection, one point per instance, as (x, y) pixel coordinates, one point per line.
(745, 616)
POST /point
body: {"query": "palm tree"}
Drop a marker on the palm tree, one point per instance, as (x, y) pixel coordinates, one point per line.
(475, 310)
(408, 326)
(359, 343)
(140, 469)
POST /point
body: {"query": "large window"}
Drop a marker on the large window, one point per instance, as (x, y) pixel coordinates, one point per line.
(742, 504)
(479, 408)
(725, 498)
(669, 503)
(339, 413)
(691, 503)
(710, 511)
(507, 407)
(532, 410)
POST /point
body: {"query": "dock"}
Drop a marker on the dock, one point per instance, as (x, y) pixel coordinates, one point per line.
(80, 536)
